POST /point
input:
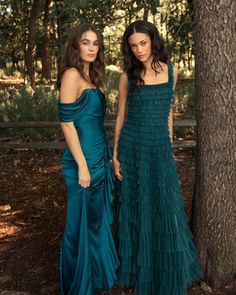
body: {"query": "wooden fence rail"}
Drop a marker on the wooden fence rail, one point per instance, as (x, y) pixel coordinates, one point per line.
(61, 145)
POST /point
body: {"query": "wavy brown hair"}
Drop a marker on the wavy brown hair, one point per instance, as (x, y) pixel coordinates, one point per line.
(71, 56)
(132, 65)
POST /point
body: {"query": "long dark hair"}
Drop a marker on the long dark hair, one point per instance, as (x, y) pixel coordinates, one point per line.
(71, 56)
(132, 65)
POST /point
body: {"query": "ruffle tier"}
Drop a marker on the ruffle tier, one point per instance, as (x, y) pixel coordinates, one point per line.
(152, 101)
(157, 253)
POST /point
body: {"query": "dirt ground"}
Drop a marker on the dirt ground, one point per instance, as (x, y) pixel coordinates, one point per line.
(32, 212)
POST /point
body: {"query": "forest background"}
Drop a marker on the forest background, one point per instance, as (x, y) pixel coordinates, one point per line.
(33, 34)
(201, 40)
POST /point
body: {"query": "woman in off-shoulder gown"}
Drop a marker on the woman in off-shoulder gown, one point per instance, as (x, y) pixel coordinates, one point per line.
(88, 256)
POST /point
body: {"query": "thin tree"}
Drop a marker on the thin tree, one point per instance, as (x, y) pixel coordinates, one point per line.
(31, 41)
(46, 54)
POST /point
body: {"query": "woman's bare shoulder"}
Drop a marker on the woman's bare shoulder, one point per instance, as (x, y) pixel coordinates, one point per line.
(124, 78)
(71, 73)
(70, 85)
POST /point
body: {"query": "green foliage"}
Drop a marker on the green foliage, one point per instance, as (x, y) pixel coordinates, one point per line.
(19, 105)
(173, 19)
(13, 29)
(9, 73)
(28, 105)
(180, 32)
(184, 102)
(94, 11)
(110, 90)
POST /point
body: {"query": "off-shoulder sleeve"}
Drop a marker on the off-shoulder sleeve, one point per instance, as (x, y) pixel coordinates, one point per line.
(67, 111)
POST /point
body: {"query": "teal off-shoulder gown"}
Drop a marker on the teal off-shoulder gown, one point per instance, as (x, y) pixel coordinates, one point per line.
(156, 251)
(88, 256)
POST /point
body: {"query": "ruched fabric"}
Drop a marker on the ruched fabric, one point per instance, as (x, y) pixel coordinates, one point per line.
(88, 256)
(156, 250)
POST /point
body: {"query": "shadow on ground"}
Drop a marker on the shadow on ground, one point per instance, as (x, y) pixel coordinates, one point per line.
(32, 212)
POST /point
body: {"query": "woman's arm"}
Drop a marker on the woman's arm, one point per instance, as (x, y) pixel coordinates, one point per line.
(68, 93)
(123, 92)
(170, 123)
(170, 119)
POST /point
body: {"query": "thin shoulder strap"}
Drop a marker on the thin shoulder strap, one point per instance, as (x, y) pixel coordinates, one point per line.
(170, 74)
(131, 85)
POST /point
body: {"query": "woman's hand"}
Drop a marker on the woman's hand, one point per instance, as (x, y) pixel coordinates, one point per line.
(117, 168)
(84, 177)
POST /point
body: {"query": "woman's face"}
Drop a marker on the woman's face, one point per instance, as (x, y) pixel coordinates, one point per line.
(141, 46)
(88, 46)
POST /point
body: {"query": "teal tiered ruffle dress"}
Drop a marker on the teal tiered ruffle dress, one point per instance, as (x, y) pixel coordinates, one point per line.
(88, 256)
(156, 250)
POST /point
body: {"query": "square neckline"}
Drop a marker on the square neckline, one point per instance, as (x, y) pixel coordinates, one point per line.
(169, 64)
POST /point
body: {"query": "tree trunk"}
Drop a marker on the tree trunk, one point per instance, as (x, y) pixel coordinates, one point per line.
(31, 42)
(62, 19)
(145, 13)
(214, 220)
(14, 60)
(46, 56)
(26, 12)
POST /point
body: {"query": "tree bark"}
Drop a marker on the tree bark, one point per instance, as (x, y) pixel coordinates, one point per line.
(145, 13)
(214, 221)
(31, 42)
(14, 60)
(62, 19)
(46, 56)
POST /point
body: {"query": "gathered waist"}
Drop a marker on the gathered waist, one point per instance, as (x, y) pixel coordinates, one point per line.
(95, 150)
(90, 124)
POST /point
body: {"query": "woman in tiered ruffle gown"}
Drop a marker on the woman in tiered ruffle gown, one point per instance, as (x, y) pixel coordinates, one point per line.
(88, 254)
(156, 250)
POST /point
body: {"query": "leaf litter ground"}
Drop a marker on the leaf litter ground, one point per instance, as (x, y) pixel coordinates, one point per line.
(32, 216)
